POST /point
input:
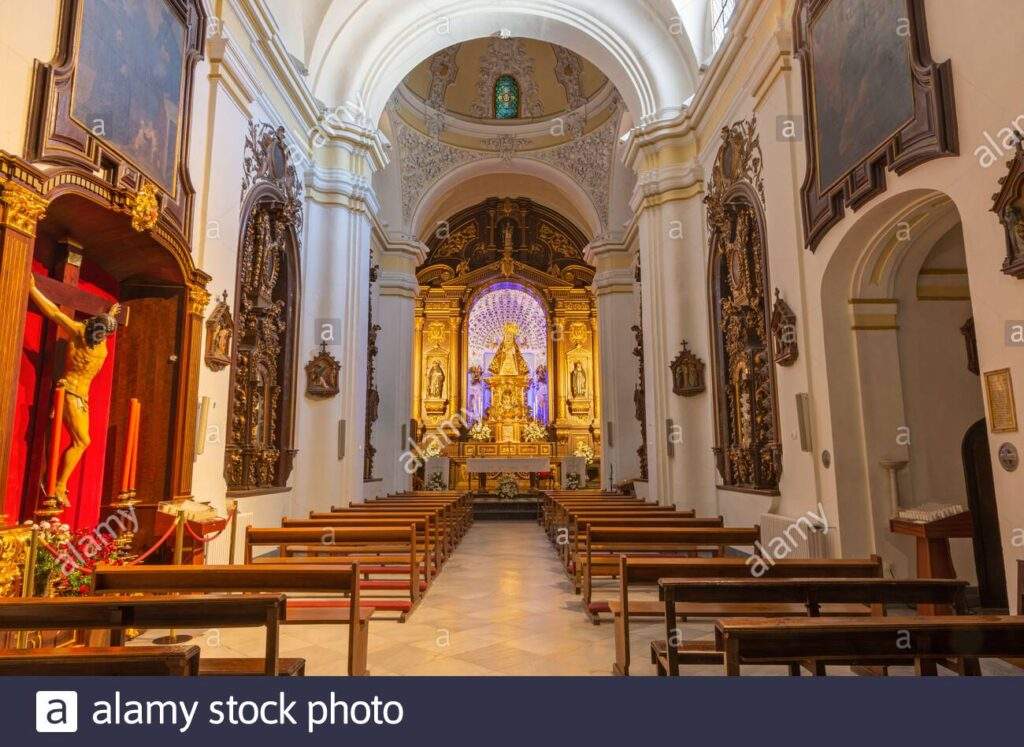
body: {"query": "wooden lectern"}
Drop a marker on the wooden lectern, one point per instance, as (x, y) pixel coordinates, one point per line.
(933, 556)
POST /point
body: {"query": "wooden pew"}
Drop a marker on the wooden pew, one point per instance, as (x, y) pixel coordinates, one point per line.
(140, 661)
(427, 541)
(115, 614)
(923, 641)
(812, 597)
(579, 524)
(331, 546)
(340, 584)
(457, 515)
(437, 526)
(637, 572)
(605, 544)
(447, 519)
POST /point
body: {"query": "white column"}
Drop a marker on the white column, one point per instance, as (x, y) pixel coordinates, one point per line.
(335, 305)
(674, 293)
(619, 368)
(398, 290)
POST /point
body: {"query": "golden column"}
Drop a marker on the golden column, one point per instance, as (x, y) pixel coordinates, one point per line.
(20, 211)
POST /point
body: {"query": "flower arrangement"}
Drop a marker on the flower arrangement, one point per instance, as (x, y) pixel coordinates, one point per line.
(66, 559)
(480, 431)
(508, 487)
(435, 482)
(573, 481)
(534, 431)
(585, 450)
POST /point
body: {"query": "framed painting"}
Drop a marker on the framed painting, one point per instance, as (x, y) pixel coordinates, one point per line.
(873, 100)
(116, 98)
(128, 85)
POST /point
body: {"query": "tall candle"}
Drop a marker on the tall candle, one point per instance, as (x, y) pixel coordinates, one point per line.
(55, 436)
(129, 444)
(135, 444)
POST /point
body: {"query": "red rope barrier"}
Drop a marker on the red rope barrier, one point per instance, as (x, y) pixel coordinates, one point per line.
(150, 551)
(212, 537)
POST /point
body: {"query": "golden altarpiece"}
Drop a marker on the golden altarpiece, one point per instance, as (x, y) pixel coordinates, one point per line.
(506, 337)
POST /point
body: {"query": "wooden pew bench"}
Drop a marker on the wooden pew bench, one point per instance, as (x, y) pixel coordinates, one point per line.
(437, 526)
(813, 597)
(148, 661)
(338, 546)
(336, 588)
(429, 553)
(116, 614)
(604, 545)
(580, 523)
(921, 641)
(637, 573)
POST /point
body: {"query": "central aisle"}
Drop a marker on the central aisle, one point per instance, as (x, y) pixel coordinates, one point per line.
(502, 605)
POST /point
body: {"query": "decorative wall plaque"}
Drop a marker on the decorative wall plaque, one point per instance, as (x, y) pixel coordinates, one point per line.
(322, 374)
(1002, 407)
(220, 328)
(784, 343)
(874, 100)
(1009, 457)
(687, 373)
(1009, 206)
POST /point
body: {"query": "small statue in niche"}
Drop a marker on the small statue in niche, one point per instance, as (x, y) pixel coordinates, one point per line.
(1014, 220)
(578, 381)
(687, 373)
(784, 342)
(435, 381)
(220, 328)
(322, 374)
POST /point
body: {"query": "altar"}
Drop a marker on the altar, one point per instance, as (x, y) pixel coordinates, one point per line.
(508, 464)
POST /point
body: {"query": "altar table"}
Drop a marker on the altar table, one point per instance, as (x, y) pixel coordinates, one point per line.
(508, 464)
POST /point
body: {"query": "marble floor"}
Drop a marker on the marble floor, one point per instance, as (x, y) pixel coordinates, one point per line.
(501, 606)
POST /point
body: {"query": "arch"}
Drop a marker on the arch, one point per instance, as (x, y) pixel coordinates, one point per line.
(654, 69)
(870, 358)
(430, 204)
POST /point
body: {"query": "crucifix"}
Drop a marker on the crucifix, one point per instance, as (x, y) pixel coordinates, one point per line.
(80, 352)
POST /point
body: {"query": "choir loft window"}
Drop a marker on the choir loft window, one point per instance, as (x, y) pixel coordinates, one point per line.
(506, 98)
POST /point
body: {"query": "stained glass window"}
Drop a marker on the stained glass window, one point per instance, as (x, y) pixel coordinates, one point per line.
(506, 98)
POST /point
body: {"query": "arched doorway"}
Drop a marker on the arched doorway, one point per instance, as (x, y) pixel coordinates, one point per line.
(903, 388)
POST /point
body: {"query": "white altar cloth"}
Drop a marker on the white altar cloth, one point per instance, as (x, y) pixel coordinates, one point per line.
(508, 464)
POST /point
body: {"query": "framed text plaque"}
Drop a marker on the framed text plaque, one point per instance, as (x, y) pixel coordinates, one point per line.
(1002, 407)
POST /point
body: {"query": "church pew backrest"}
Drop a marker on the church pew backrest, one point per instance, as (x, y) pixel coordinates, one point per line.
(118, 613)
(137, 661)
(336, 580)
(810, 593)
(920, 640)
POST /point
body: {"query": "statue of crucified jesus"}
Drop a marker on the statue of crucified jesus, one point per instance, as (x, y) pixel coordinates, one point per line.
(87, 351)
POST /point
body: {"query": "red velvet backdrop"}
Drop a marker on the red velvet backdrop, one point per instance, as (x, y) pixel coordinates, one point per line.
(32, 416)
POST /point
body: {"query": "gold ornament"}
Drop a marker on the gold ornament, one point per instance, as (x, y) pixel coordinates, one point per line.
(144, 207)
(23, 208)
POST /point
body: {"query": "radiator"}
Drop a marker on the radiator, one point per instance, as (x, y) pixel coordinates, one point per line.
(802, 539)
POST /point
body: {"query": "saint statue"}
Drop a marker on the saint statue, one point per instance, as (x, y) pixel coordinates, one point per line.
(435, 381)
(508, 358)
(578, 381)
(87, 351)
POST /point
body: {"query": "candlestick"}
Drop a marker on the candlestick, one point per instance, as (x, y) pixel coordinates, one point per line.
(130, 435)
(55, 437)
(135, 447)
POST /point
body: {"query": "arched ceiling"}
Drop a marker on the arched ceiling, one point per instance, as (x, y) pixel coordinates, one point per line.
(363, 49)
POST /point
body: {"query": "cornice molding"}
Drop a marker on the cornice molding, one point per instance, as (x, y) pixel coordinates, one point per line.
(229, 66)
(341, 187)
(675, 182)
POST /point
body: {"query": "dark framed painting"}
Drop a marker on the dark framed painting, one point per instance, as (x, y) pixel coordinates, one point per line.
(129, 81)
(116, 98)
(873, 100)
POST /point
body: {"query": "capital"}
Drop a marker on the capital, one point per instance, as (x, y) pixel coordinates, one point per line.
(22, 208)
